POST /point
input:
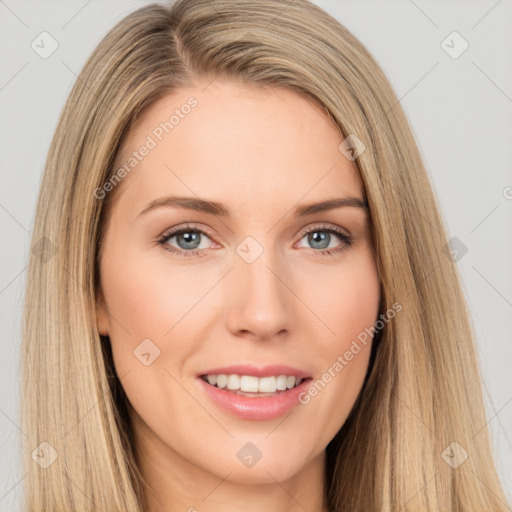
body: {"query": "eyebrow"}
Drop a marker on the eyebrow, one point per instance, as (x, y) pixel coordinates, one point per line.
(219, 209)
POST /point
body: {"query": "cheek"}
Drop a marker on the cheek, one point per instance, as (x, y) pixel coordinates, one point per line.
(354, 304)
(147, 300)
(346, 299)
(350, 309)
(157, 322)
(143, 306)
(148, 305)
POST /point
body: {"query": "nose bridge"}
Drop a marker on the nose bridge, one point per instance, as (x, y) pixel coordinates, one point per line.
(261, 300)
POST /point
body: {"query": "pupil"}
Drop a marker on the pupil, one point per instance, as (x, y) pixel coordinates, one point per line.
(314, 238)
(189, 238)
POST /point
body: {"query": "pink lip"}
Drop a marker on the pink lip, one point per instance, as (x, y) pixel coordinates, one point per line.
(255, 408)
(266, 371)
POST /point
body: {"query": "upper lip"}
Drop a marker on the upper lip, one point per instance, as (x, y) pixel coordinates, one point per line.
(264, 371)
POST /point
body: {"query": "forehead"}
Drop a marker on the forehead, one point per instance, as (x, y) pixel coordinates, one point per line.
(248, 145)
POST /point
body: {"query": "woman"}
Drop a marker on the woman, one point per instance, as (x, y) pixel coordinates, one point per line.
(244, 302)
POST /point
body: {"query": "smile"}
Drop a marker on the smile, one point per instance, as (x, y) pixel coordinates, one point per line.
(249, 393)
(251, 384)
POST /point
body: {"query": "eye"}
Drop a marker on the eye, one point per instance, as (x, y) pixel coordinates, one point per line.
(321, 237)
(188, 239)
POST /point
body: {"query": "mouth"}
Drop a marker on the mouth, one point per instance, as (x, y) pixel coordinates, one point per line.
(255, 394)
(252, 386)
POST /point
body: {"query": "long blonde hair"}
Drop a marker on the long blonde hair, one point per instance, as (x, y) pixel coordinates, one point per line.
(423, 389)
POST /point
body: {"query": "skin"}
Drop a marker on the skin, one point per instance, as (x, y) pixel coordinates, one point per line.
(261, 152)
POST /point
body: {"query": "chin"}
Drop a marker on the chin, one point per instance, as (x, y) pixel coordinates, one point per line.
(262, 472)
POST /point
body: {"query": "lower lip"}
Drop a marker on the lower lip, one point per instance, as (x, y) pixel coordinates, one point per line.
(255, 408)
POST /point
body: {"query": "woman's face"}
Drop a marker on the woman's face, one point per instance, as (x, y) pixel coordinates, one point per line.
(258, 285)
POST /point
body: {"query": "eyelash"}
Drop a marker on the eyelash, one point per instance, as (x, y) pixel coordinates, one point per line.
(164, 238)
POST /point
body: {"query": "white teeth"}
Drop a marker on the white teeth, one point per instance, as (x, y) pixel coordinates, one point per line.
(281, 382)
(233, 382)
(249, 383)
(252, 384)
(267, 385)
(222, 380)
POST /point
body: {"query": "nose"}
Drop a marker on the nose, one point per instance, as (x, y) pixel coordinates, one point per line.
(261, 301)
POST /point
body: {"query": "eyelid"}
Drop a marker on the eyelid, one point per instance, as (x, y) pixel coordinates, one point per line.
(325, 227)
(343, 234)
(188, 226)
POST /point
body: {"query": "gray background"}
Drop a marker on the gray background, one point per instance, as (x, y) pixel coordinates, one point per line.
(460, 110)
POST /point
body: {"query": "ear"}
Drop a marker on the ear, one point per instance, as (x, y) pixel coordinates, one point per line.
(102, 316)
